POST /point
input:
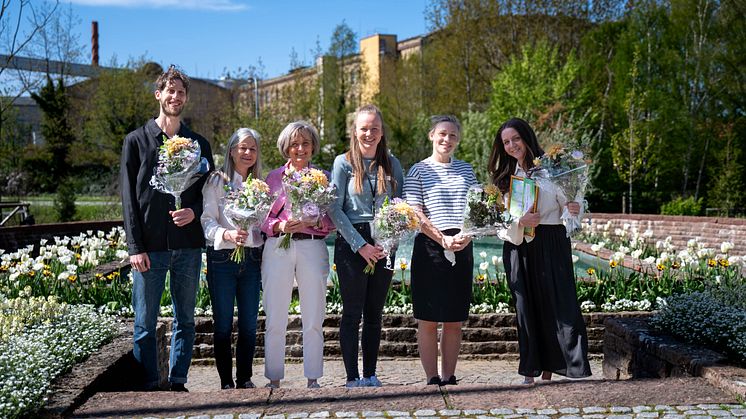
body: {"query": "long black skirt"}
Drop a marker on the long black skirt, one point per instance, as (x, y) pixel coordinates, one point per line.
(551, 331)
(441, 292)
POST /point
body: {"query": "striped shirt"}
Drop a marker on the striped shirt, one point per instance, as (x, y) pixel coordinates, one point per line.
(440, 190)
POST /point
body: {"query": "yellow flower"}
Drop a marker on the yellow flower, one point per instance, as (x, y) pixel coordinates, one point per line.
(537, 162)
(661, 267)
(675, 265)
(723, 262)
(613, 264)
(31, 273)
(72, 278)
(46, 272)
(319, 177)
(176, 144)
(403, 265)
(590, 271)
(334, 267)
(712, 263)
(490, 189)
(99, 276)
(480, 278)
(259, 185)
(555, 150)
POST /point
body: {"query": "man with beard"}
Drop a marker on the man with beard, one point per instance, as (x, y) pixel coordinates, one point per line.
(161, 239)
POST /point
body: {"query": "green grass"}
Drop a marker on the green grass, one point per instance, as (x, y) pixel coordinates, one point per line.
(89, 208)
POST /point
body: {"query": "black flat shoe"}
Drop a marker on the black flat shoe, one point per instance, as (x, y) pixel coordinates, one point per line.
(246, 384)
(179, 387)
(451, 381)
(434, 381)
(226, 386)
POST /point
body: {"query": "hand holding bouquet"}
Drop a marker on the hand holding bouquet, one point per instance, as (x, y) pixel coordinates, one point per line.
(566, 174)
(485, 211)
(178, 164)
(309, 196)
(396, 220)
(246, 206)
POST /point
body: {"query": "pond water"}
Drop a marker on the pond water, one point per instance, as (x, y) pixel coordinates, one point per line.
(492, 246)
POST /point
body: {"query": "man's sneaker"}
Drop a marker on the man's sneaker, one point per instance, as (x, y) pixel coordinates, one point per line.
(355, 383)
(372, 381)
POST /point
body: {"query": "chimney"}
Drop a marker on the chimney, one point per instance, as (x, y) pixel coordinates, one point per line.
(94, 43)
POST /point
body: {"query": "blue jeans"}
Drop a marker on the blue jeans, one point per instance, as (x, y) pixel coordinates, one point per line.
(147, 288)
(228, 282)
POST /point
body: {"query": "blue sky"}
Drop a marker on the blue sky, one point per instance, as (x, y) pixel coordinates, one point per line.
(205, 37)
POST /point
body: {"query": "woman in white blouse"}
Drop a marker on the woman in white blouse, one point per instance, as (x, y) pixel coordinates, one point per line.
(229, 281)
(552, 337)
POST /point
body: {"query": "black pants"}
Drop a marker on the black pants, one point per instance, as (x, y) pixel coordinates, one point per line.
(362, 296)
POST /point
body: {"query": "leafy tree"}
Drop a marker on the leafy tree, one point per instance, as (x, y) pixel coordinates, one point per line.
(531, 83)
(108, 108)
(57, 133)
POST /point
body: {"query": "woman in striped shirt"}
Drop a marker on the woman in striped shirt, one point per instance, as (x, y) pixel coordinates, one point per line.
(442, 260)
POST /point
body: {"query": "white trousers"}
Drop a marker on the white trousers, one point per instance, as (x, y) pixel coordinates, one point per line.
(306, 262)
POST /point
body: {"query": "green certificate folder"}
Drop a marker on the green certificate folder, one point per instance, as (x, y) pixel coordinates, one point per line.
(524, 196)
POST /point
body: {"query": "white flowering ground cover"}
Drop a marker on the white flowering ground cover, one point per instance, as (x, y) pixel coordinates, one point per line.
(41, 338)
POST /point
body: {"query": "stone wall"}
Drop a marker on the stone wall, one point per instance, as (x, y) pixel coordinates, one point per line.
(710, 230)
(14, 238)
(484, 336)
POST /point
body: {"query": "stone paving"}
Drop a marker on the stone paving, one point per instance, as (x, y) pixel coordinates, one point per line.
(487, 389)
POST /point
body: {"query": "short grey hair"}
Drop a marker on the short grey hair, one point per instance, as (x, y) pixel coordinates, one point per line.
(437, 119)
(287, 134)
(237, 137)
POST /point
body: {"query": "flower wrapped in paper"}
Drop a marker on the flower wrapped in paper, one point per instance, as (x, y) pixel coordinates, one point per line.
(179, 166)
(564, 173)
(394, 221)
(485, 212)
(309, 196)
(246, 206)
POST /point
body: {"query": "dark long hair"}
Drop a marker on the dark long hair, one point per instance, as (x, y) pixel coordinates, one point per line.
(501, 165)
(381, 159)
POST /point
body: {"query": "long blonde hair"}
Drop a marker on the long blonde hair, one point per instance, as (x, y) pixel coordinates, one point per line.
(381, 159)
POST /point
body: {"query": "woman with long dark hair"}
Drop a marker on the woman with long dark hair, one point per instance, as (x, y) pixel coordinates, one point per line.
(552, 337)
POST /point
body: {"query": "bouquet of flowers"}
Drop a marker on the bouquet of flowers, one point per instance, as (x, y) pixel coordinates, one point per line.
(179, 163)
(485, 211)
(309, 195)
(566, 174)
(246, 206)
(396, 220)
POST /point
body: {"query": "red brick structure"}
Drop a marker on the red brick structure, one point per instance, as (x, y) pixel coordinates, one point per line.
(710, 230)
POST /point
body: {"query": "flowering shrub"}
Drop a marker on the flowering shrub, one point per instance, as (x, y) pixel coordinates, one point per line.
(59, 267)
(703, 318)
(33, 356)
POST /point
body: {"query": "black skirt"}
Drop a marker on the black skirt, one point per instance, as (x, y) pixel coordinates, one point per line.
(441, 292)
(551, 331)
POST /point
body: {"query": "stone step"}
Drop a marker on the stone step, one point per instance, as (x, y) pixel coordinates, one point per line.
(204, 324)
(396, 349)
(405, 334)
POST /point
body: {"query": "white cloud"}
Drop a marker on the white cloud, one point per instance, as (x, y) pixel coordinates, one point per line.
(215, 5)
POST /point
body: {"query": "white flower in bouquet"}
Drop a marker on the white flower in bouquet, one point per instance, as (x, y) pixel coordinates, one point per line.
(179, 162)
(245, 207)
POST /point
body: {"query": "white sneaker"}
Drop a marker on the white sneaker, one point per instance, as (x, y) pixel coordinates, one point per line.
(371, 381)
(355, 383)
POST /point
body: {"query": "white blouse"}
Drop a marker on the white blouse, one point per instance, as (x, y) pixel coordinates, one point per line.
(551, 207)
(214, 222)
